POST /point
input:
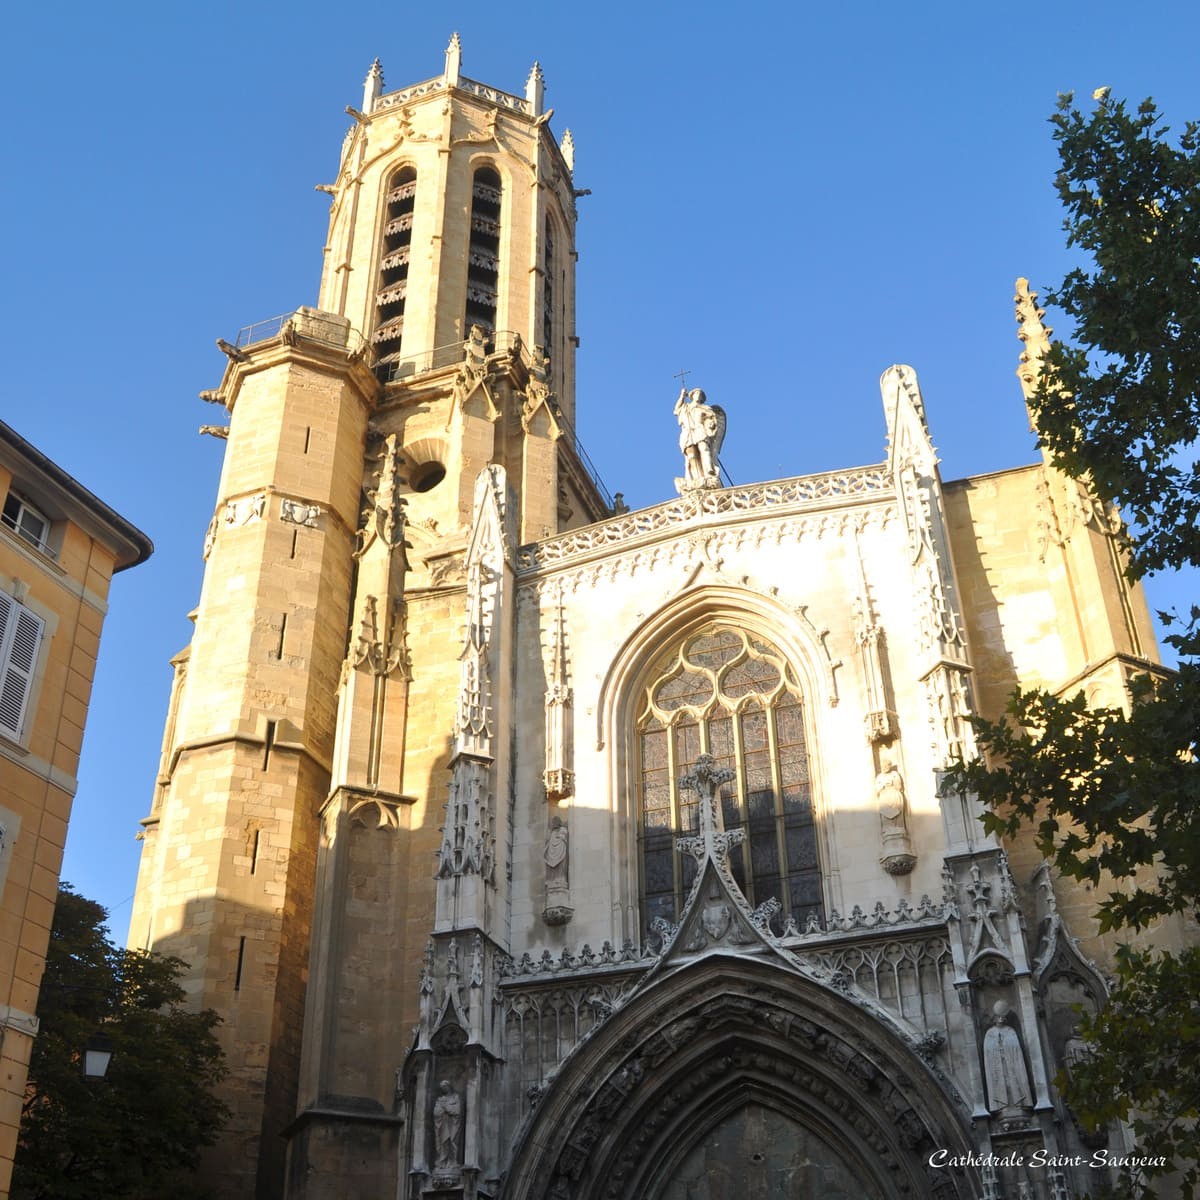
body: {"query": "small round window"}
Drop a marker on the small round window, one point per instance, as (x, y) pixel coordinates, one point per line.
(424, 477)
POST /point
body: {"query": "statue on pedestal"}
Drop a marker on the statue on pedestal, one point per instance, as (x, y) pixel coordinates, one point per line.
(1004, 1066)
(447, 1122)
(701, 433)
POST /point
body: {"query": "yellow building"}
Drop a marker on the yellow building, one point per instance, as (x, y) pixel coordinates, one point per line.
(533, 848)
(59, 548)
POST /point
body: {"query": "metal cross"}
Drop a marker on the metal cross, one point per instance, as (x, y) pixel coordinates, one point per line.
(682, 375)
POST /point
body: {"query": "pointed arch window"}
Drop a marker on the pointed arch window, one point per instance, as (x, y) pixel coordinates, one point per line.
(483, 254)
(392, 290)
(548, 295)
(726, 692)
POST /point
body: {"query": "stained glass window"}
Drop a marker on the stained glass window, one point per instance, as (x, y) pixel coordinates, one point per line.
(724, 693)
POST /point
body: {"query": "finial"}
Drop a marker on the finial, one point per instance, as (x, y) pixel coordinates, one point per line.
(453, 61)
(567, 147)
(372, 86)
(535, 89)
(1036, 339)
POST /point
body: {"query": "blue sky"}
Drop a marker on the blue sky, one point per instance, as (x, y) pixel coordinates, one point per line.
(785, 201)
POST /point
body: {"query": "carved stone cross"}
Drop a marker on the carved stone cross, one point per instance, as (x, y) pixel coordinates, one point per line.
(712, 841)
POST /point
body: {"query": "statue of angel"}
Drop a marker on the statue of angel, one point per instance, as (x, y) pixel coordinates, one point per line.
(701, 432)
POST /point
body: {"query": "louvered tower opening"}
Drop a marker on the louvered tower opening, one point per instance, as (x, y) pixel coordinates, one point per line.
(483, 256)
(393, 267)
(548, 298)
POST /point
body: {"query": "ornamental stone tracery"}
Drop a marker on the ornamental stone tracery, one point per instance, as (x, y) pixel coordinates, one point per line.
(729, 699)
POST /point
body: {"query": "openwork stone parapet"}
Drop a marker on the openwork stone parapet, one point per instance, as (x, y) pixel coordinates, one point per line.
(463, 84)
(803, 493)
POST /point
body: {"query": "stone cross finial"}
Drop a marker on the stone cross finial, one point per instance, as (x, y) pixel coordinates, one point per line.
(712, 841)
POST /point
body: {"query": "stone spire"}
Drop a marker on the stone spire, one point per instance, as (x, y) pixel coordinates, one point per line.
(568, 150)
(372, 86)
(535, 90)
(1035, 337)
(453, 61)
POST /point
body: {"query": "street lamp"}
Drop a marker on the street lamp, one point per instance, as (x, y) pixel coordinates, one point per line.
(97, 1054)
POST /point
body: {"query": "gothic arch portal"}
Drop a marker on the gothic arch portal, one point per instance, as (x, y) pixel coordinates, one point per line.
(672, 1087)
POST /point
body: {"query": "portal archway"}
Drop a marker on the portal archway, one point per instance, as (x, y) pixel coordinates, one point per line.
(682, 1074)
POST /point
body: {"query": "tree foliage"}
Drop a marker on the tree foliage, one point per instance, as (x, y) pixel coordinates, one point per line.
(1131, 380)
(1113, 798)
(134, 1134)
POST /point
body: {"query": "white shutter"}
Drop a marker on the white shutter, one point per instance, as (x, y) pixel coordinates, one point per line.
(20, 636)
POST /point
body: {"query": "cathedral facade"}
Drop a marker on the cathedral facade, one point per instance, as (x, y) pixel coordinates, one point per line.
(533, 848)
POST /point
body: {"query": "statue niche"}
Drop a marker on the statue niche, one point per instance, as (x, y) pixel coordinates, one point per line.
(1008, 1092)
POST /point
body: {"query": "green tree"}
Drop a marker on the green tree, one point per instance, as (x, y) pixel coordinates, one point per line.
(1113, 798)
(135, 1134)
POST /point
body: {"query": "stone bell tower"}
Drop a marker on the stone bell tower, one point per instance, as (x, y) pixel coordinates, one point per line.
(385, 452)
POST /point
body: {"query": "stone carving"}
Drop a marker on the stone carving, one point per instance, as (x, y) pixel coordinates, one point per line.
(1075, 1051)
(475, 372)
(898, 857)
(701, 432)
(210, 536)
(803, 491)
(447, 1123)
(558, 777)
(983, 919)
(557, 857)
(581, 1144)
(1008, 1090)
(383, 651)
(880, 917)
(468, 837)
(384, 518)
(245, 510)
(909, 977)
(712, 842)
(538, 392)
(299, 513)
(606, 956)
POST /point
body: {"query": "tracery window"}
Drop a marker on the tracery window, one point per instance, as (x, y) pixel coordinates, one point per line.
(728, 693)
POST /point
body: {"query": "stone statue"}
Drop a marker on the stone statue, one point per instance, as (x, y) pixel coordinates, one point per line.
(889, 793)
(1004, 1065)
(1075, 1051)
(898, 857)
(701, 432)
(557, 860)
(447, 1121)
(475, 353)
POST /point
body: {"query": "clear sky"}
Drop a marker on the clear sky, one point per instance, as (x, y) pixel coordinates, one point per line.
(786, 199)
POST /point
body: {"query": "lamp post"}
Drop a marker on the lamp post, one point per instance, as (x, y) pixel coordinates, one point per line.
(97, 1054)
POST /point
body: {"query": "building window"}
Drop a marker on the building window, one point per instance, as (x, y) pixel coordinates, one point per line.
(548, 297)
(392, 291)
(25, 520)
(483, 254)
(20, 637)
(727, 693)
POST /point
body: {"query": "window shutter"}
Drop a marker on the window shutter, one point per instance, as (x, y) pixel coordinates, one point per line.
(20, 637)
